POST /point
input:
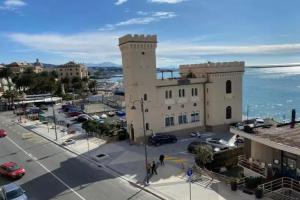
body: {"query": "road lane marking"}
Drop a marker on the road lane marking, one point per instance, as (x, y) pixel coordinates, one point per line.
(45, 168)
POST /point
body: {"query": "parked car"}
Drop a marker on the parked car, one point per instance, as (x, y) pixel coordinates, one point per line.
(12, 170)
(111, 113)
(44, 107)
(3, 133)
(217, 143)
(103, 116)
(193, 146)
(195, 134)
(120, 113)
(74, 113)
(162, 139)
(68, 142)
(12, 191)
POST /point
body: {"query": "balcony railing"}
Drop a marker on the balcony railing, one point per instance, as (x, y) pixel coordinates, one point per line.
(286, 188)
(251, 165)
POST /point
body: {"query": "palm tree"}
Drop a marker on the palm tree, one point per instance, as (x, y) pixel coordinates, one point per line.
(10, 95)
(204, 154)
(6, 73)
(92, 85)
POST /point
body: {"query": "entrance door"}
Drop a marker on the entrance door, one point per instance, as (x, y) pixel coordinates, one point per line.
(289, 165)
(132, 132)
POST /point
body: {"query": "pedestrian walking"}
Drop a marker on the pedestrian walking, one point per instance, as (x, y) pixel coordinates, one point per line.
(148, 169)
(153, 168)
(161, 159)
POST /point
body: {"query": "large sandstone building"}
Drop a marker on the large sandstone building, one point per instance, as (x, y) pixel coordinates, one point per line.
(206, 96)
(71, 70)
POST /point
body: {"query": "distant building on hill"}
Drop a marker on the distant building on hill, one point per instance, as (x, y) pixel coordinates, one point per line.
(19, 67)
(71, 70)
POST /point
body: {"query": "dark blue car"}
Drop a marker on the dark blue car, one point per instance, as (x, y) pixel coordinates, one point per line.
(162, 139)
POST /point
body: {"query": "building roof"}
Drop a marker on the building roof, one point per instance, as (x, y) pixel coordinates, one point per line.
(71, 64)
(284, 137)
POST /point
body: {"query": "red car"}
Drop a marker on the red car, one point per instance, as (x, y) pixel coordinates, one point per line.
(12, 170)
(74, 114)
(2, 133)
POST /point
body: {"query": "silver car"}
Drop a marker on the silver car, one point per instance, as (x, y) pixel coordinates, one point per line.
(217, 142)
(12, 192)
(68, 142)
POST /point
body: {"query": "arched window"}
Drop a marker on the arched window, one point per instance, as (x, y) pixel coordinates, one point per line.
(228, 112)
(228, 87)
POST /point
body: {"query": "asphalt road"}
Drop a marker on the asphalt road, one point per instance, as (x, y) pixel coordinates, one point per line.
(54, 173)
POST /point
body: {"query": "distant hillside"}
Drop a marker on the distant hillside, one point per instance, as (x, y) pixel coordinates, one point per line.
(104, 64)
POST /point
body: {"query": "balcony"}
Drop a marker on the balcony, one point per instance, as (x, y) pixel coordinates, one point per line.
(258, 168)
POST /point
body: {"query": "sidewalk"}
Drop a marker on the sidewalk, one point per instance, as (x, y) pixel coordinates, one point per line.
(129, 162)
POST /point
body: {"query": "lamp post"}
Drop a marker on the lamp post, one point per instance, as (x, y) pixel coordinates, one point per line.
(144, 132)
(54, 118)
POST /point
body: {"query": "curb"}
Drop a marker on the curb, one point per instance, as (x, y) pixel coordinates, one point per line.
(97, 164)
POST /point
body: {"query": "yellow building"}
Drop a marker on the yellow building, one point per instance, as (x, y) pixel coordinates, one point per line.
(71, 70)
(19, 67)
(206, 96)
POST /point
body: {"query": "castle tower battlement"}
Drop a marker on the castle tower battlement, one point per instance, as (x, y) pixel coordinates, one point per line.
(137, 39)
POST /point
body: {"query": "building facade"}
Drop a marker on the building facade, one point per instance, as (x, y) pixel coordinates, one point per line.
(206, 96)
(71, 70)
(271, 149)
(20, 67)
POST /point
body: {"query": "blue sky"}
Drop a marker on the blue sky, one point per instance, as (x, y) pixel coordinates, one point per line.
(189, 31)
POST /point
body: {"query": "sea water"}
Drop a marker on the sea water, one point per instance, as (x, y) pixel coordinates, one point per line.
(271, 92)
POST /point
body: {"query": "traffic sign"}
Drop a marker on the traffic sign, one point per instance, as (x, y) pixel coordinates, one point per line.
(189, 172)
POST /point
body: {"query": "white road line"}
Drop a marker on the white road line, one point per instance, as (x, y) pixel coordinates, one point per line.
(43, 166)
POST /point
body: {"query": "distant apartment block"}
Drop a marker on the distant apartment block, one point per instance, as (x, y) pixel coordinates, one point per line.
(19, 67)
(71, 70)
(206, 97)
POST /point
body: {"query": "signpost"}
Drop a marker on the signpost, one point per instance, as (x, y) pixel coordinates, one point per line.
(189, 173)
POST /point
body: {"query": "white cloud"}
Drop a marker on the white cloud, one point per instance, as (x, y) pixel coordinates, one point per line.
(103, 46)
(120, 2)
(166, 1)
(13, 4)
(87, 47)
(146, 19)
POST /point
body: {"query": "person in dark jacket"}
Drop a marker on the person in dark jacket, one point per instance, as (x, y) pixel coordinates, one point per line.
(161, 159)
(153, 168)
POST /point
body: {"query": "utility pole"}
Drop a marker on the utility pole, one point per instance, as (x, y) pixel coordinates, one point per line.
(54, 118)
(247, 114)
(145, 140)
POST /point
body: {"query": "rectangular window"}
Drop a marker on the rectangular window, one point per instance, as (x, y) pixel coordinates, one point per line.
(145, 97)
(192, 91)
(196, 92)
(179, 93)
(169, 121)
(182, 119)
(172, 121)
(167, 94)
(183, 92)
(170, 94)
(147, 126)
(195, 117)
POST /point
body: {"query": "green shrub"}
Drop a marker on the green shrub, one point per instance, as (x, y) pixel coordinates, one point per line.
(253, 182)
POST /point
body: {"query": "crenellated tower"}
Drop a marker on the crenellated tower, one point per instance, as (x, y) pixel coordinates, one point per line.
(139, 70)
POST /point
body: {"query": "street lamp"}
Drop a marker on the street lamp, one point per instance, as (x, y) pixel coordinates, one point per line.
(54, 117)
(144, 132)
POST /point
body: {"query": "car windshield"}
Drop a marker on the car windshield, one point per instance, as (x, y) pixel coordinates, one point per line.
(13, 167)
(14, 194)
